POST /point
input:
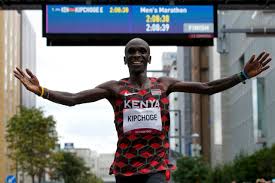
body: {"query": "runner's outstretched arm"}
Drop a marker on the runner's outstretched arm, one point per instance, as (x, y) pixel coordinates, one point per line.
(31, 83)
(252, 68)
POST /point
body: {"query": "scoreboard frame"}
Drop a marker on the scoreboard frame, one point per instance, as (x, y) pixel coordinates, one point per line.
(156, 39)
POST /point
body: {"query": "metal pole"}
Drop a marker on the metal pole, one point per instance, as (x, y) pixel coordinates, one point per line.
(250, 31)
(180, 135)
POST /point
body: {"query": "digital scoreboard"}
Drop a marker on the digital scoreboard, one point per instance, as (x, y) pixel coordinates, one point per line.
(116, 24)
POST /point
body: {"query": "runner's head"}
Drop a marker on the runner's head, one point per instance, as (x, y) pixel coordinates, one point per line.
(137, 55)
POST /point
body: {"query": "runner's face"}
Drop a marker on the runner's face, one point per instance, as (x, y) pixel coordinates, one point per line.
(137, 56)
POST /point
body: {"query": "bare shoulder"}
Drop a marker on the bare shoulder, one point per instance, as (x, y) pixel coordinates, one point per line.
(109, 85)
(110, 88)
(167, 81)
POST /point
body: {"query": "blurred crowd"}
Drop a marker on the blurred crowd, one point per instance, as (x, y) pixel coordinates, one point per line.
(262, 180)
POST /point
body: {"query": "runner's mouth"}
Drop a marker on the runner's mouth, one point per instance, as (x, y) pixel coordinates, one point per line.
(136, 63)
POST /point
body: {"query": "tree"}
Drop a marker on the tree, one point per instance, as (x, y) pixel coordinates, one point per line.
(192, 170)
(222, 173)
(72, 169)
(31, 139)
(90, 178)
(246, 168)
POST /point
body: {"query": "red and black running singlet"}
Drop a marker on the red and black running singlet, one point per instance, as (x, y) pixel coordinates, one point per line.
(142, 122)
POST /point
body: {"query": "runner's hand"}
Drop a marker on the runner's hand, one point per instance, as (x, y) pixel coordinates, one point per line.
(29, 80)
(257, 65)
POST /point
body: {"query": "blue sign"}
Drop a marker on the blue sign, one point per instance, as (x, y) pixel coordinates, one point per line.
(129, 19)
(68, 145)
(10, 179)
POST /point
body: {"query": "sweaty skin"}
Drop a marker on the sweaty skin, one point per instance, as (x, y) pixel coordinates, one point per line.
(137, 56)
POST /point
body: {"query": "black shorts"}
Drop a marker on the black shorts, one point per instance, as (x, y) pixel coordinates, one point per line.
(158, 177)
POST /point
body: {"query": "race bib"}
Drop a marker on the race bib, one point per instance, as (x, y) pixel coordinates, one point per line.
(145, 120)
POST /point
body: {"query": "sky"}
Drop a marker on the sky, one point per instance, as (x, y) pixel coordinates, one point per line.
(73, 69)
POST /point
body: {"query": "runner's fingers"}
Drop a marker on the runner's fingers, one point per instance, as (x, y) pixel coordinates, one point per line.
(21, 72)
(30, 73)
(260, 56)
(266, 62)
(251, 59)
(264, 58)
(264, 68)
(17, 76)
(17, 73)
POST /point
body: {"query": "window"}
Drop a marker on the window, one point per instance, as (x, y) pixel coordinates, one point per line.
(258, 101)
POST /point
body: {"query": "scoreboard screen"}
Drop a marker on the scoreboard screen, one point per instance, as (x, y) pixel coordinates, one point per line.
(162, 22)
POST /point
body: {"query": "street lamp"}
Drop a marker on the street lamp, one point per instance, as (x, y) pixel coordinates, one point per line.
(195, 135)
(195, 147)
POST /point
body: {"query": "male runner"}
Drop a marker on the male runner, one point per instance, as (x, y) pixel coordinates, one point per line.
(141, 110)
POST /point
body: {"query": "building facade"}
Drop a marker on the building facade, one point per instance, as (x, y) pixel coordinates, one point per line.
(89, 157)
(247, 110)
(17, 49)
(10, 51)
(190, 129)
(99, 164)
(184, 100)
(104, 162)
(215, 119)
(192, 64)
(169, 65)
(28, 46)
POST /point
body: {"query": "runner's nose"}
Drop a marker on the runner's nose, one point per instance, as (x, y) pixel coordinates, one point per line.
(137, 53)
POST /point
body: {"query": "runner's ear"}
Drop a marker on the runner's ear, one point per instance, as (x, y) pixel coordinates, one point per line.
(125, 60)
(149, 59)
